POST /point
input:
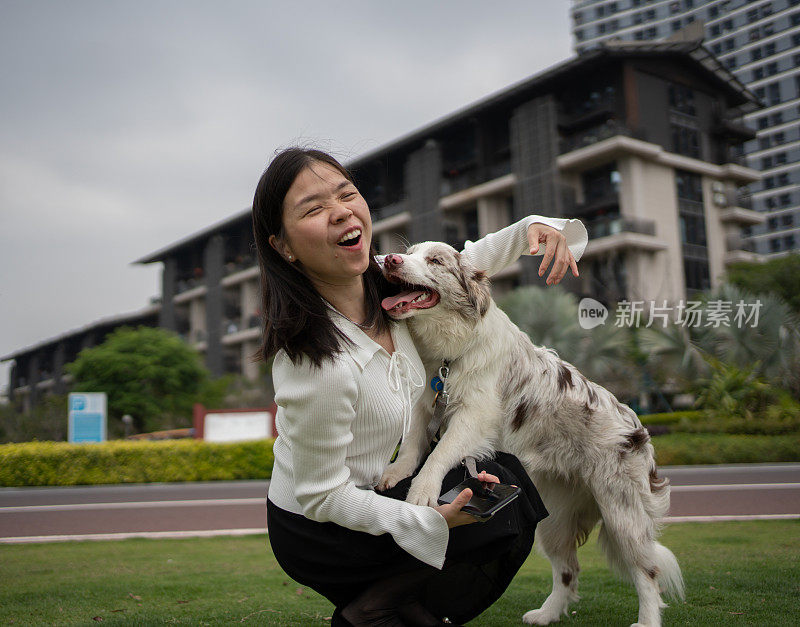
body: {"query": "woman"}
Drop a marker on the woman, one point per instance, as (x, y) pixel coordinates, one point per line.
(346, 377)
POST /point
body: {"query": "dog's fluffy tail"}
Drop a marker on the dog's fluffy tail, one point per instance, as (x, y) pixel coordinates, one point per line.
(670, 579)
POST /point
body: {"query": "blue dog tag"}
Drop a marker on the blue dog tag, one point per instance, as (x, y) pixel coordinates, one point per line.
(437, 385)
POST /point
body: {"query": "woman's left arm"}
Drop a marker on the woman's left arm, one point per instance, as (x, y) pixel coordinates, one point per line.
(560, 240)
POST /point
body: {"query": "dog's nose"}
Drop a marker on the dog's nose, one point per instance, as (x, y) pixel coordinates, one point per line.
(393, 260)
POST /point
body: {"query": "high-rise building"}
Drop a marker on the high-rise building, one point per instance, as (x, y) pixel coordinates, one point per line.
(759, 42)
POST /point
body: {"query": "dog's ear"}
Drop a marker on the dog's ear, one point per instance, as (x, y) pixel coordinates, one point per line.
(476, 285)
(480, 292)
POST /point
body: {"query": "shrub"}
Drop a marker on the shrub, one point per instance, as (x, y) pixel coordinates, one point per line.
(715, 448)
(672, 418)
(61, 463)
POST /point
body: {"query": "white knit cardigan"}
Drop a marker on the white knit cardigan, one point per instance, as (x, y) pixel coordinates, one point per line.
(338, 425)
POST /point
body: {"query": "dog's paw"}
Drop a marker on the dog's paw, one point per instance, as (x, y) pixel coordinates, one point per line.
(393, 474)
(540, 617)
(424, 493)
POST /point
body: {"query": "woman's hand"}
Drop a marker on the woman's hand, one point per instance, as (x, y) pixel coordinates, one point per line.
(452, 511)
(555, 250)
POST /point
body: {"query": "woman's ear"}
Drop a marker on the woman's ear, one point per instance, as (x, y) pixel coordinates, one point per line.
(281, 248)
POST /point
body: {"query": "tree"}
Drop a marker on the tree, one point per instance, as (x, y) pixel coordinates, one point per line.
(780, 276)
(150, 374)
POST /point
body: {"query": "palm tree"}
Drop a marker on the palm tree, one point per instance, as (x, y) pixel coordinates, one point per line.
(550, 318)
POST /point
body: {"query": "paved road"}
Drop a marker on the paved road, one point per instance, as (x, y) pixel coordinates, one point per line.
(227, 507)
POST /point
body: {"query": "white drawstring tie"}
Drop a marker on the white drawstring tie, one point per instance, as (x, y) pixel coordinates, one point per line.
(401, 369)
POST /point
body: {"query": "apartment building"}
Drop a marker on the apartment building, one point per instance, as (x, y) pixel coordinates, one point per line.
(641, 141)
(39, 369)
(759, 42)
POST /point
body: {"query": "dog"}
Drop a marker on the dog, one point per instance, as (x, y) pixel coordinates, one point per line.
(588, 454)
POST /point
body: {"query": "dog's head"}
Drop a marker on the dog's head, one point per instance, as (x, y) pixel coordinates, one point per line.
(434, 277)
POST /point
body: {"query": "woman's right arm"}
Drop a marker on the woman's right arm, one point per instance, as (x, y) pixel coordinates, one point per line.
(319, 408)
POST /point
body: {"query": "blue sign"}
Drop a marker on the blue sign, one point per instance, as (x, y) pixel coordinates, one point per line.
(87, 417)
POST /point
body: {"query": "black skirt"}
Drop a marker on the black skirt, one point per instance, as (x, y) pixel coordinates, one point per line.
(481, 560)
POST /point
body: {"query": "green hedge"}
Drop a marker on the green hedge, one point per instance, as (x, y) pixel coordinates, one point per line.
(60, 463)
(119, 461)
(672, 418)
(723, 448)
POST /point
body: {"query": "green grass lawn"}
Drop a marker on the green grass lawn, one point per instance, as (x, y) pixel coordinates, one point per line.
(737, 573)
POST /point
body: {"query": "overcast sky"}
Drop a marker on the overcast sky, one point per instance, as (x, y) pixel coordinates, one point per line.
(126, 125)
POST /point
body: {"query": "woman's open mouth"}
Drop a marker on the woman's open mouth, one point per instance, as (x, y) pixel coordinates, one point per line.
(350, 239)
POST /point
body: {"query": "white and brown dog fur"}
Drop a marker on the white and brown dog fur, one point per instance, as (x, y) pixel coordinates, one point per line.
(588, 454)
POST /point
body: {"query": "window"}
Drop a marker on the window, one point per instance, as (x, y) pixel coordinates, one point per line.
(696, 274)
(766, 10)
(579, 35)
(676, 25)
(797, 59)
(754, 34)
(637, 18)
(772, 69)
(681, 99)
(774, 93)
(727, 25)
(776, 118)
(650, 14)
(578, 17)
(769, 49)
(763, 123)
(752, 16)
(760, 92)
(779, 138)
(612, 8)
(674, 7)
(763, 143)
(783, 179)
(755, 54)
(614, 25)
(786, 200)
(771, 202)
(730, 43)
(769, 29)
(772, 224)
(600, 11)
(715, 30)
(730, 63)
(690, 185)
(795, 19)
(774, 244)
(769, 182)
(788, 241)
(651, 33)
(601, 27)
(780, 158)
(713, 11)
(758, 73)
(766, 163)
(716, 48)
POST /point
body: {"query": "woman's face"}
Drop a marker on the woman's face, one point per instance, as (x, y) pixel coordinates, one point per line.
(327, 226)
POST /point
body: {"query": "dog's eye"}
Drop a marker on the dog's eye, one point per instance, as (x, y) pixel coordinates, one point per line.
(438, 262)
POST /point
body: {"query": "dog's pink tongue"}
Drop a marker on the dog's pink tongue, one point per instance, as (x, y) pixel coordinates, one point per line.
(391, 302)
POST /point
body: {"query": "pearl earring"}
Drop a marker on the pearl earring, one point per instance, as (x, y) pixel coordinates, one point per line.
(291, 258)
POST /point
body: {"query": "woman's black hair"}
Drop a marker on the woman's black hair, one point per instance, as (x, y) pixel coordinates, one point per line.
(295, 317)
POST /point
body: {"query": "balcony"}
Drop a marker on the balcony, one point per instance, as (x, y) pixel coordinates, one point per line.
(597, 134)
(739, 249)
(603, 227)
(617, 233)
(593, 110)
